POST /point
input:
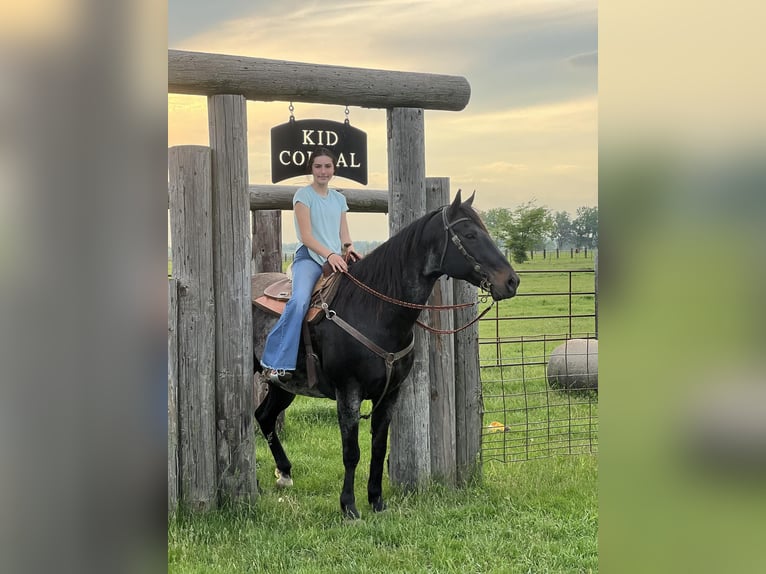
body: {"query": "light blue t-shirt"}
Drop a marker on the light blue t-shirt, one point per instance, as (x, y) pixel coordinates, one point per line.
(325, 218)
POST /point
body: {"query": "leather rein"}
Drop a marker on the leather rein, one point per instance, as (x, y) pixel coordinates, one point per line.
(391, 358)
(485, 284)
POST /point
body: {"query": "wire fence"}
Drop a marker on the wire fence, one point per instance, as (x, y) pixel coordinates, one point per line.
(525, 417)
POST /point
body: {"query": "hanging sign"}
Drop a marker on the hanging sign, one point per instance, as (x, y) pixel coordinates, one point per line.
(292, 143)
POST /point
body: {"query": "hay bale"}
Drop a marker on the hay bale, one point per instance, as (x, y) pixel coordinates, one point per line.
(574, 365)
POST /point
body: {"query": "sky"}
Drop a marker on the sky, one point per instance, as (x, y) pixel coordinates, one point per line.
(528, 133)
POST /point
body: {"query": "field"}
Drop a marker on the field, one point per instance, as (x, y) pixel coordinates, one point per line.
(515, 343)
(534, 516)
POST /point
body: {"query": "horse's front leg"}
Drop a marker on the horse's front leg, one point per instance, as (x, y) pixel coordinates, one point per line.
(348, 419)
(381, 420)
(266, 414)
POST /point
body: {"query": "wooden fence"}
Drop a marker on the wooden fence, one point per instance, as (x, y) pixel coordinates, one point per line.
(211, 458)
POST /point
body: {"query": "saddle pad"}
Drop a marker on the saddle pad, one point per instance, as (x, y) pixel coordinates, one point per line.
(277, 307)
(280, 290)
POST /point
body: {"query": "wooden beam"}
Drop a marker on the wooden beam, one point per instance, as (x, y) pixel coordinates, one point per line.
(281, 197)
(205, 74)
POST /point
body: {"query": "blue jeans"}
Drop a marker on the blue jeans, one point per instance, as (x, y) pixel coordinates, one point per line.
(281, 350)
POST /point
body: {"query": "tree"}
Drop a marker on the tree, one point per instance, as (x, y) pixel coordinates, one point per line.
(498, 221)
(530, 226)
(585, 227)
(521, 230)
(562, 229)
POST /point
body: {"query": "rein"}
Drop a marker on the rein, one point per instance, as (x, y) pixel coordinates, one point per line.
(391, 358)
(388, 299)
(485, 284)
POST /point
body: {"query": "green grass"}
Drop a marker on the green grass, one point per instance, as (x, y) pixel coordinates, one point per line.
(514, 349)
(538, 516)
(535, 516)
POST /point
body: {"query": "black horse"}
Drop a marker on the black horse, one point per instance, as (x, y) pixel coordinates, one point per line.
(450, 241)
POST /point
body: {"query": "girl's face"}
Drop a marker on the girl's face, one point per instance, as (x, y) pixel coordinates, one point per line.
(322, 168)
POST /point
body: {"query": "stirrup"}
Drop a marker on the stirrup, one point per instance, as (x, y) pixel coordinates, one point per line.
(278, 375)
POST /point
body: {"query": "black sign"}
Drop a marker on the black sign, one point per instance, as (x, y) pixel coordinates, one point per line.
(291, 145)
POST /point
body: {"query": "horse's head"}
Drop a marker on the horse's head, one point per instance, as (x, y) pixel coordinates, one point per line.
(470, 254)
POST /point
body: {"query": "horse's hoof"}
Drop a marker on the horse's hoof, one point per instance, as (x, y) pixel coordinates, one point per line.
(283, 480)
(351, 513)
(378, 505)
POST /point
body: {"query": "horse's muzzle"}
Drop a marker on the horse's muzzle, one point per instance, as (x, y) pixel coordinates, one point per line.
(504, 285)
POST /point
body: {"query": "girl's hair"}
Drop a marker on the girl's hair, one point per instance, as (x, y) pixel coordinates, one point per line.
(318, 152)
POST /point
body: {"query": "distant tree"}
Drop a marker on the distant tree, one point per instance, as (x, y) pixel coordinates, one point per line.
(531, 225)
(585, 227)
(562, 229)
(498, 221)
(520, 230)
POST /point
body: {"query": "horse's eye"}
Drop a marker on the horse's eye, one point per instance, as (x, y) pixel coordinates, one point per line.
(470, 236)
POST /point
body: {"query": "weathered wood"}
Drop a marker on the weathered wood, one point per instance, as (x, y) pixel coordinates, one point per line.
(410, 458)
(267, 241)
(207, 74)
(172, 396)
(442, 360)
(227, 116)
(191, 229)
(468, 399)
(267, 257)
(281, 197)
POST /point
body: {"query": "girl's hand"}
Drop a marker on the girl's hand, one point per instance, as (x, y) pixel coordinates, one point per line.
(337, 263)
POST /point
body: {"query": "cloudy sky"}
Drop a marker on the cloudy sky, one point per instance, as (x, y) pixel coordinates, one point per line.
(529, 131)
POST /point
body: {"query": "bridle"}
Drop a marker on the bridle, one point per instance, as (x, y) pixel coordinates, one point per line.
(391, 358)
(485, 284)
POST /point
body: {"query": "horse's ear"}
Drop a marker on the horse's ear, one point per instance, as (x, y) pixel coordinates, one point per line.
(452, 212)
(469, 201)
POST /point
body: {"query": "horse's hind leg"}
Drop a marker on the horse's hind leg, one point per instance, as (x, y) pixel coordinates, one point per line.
(277, 400)
(381, 420)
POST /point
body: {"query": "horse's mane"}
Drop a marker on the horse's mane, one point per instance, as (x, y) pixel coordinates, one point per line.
(384, 268)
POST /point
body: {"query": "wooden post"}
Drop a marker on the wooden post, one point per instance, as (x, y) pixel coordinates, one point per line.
(191, 229)
(409, 459)
(227, 118)
(172, 396)
(267, 257)
(468, 400)
(267, 241)
(441, 352)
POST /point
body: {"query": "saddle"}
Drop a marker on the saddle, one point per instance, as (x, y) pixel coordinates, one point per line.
(276, 294)
(278, 291)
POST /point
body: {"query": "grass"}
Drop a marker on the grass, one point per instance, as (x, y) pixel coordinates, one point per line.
(534, 516)
(538, 516)
(515, 341)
